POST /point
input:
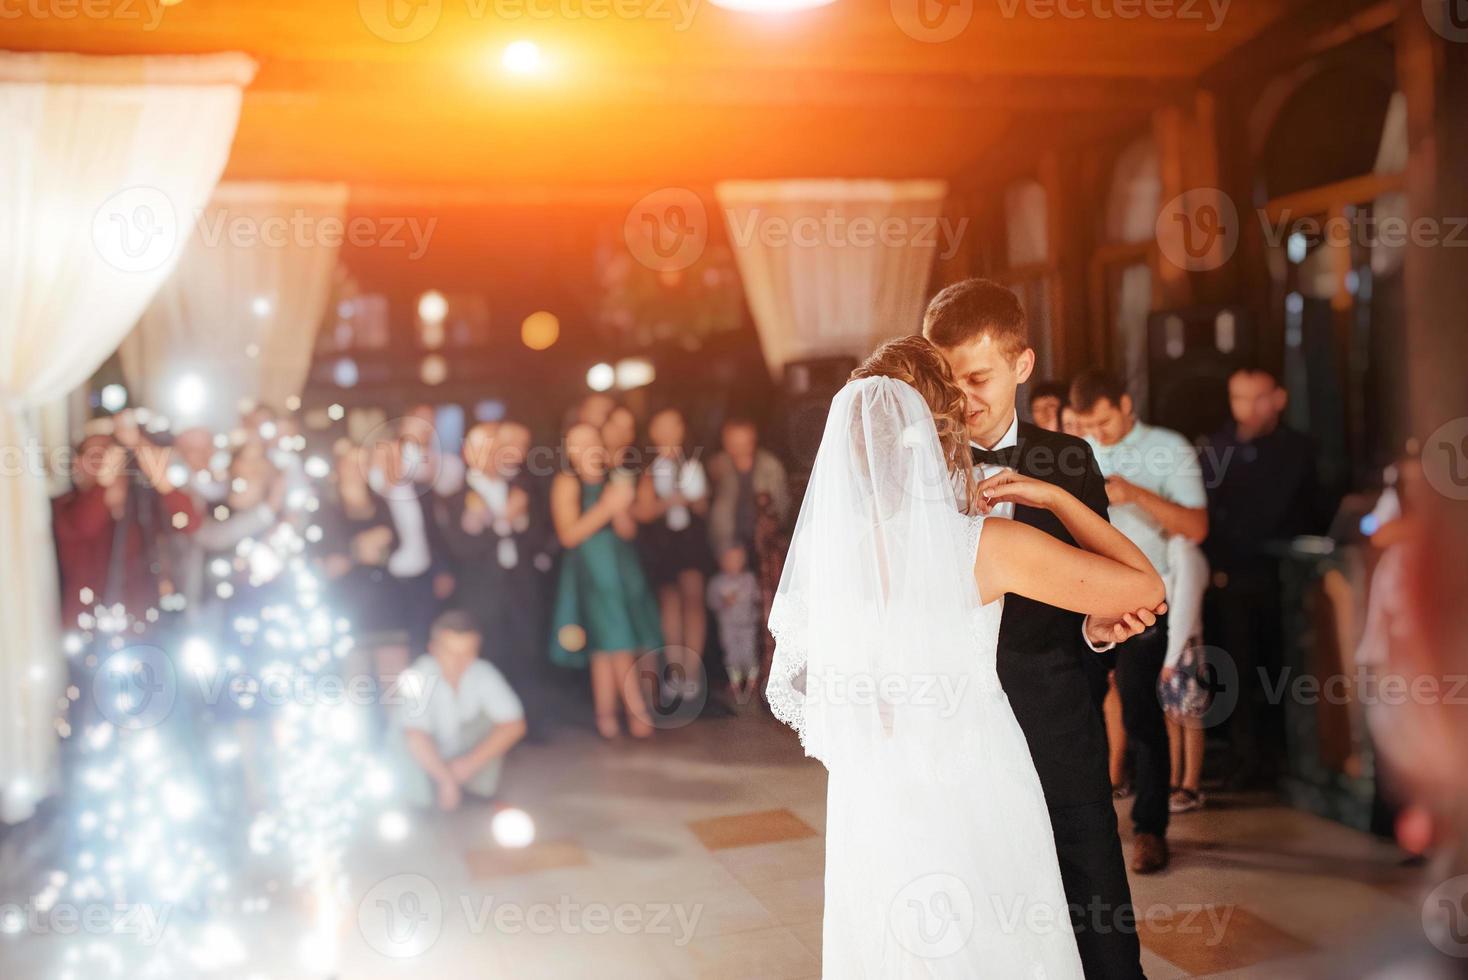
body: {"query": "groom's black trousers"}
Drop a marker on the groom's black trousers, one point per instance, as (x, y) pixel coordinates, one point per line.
(1055, 684)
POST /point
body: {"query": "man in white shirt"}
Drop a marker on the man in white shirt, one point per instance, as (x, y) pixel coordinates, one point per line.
(1155, 489)
(458, 719)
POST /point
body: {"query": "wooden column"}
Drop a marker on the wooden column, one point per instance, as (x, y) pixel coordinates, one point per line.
(1433, 74)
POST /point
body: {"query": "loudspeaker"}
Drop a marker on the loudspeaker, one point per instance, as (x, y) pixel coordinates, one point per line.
(1190, 354)
(806, 392)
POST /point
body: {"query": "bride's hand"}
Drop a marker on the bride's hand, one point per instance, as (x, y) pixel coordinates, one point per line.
(1012, 487)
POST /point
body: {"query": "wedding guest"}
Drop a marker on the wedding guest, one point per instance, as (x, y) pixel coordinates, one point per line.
(1262, 490)
(1046, 400)
(255, 504)
(605, 612)
(194, 448)
(193, 459)
(619, 434)
(1069, 424)
(594, 410)
(417, 567)
(485, 527)
(423, 456)
(750, 509)
(1155, 490)
(672, 504)
(1387, 631)
(529, 581)
(358, 538)
(1185, 695)
(111, 526)
(734, 596)
(459, 720)
(739, 475)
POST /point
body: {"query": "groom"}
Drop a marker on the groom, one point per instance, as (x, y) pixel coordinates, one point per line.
(1054, 683)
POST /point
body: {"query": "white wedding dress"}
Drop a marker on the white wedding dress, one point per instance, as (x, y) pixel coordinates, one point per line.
(940, 860)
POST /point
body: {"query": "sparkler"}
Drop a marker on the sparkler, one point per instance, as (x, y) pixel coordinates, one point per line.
(152, 822)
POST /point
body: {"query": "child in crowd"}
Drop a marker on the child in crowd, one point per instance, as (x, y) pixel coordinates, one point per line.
(1184, 684)
(734, 596)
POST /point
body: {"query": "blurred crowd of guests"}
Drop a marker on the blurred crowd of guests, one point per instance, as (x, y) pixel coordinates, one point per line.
(624, 554)
(1216, 518)
(480, 584)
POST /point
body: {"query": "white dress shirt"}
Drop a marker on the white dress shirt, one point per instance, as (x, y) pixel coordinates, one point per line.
(1009, 440)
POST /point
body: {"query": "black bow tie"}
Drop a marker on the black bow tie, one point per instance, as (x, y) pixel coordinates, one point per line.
(1008, 456)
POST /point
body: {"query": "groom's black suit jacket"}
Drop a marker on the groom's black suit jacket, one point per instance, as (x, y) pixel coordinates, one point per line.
(1054, 681)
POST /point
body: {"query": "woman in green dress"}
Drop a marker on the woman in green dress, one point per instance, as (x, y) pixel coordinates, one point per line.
(605, 612)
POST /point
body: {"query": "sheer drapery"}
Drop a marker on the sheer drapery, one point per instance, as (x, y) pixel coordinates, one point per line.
(106, 161)
(1026, 224)
(833, 266)
(1131, 216)
(242, 309)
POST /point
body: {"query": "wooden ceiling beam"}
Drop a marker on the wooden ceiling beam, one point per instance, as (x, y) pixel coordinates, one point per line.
(1303, 32)
(818, 89)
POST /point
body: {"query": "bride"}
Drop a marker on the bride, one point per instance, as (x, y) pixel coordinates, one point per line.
(939, 854)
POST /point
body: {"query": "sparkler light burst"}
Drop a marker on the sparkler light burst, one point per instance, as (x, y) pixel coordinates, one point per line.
(249, 784)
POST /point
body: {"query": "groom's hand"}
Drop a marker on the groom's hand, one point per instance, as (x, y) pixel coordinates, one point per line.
(1101, 630)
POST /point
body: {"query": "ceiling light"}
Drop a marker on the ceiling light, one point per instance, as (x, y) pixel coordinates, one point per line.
(521, 58)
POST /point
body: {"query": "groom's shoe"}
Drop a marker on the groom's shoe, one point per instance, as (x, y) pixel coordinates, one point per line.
(1149, 854)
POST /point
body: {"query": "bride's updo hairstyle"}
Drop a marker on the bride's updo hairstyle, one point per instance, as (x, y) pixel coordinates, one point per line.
(915, 361)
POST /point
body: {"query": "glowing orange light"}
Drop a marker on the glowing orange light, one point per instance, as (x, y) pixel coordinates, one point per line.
(540, 330)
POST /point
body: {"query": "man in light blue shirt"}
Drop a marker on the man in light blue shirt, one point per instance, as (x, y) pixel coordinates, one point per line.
(1155, 488)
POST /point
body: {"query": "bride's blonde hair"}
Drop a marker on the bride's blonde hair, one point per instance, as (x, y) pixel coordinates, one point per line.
(915, 361)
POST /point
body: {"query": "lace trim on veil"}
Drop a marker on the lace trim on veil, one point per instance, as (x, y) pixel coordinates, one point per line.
(785, 691)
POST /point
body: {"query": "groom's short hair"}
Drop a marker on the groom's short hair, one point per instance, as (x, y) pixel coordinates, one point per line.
(972, 308)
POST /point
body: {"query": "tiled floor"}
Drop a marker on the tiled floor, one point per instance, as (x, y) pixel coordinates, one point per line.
(700, 854)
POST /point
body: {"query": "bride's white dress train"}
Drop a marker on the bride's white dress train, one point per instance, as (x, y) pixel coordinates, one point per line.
(940, 861)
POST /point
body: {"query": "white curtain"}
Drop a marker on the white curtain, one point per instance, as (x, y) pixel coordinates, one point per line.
(103, 164)
(1131, 216)
(834, 266)
(242, 309)
(1026, 223)
(1136, 194)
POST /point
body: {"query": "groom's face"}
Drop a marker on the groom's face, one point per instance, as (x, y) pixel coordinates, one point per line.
(988, 376)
